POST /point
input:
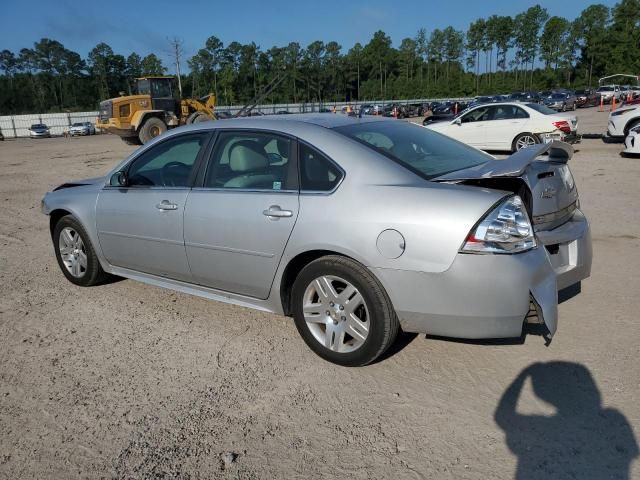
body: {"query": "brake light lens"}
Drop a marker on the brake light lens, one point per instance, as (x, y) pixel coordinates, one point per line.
(506, 229)
(563, 126)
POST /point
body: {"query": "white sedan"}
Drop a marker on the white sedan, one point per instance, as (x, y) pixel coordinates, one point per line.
(624, 119)
(508, 126)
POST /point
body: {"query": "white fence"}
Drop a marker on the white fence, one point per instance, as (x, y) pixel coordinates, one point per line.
(18, 125)
(13, 126)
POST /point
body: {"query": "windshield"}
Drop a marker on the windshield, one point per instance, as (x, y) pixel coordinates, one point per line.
(605, 89)
(558, 96)
(541, 109)
(423, 151)
(38, 125)
(77, 125)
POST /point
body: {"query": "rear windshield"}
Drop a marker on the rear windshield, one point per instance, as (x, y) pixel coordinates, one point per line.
(423, 151)
(541, 109)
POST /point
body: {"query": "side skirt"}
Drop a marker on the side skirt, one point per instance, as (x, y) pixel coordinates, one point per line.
(191, 289)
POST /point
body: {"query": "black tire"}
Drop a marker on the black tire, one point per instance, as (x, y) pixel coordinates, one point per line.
(383, 322)
(152, 127)
(131, 140)
(93, 274)
(197, 117)
(514, 147)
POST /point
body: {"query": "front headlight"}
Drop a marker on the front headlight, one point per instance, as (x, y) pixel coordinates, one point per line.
(506, 229)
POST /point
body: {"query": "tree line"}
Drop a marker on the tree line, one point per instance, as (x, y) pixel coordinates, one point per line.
(498, 54)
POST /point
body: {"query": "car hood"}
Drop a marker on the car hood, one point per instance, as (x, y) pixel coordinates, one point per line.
(550, 191)
(81, 183)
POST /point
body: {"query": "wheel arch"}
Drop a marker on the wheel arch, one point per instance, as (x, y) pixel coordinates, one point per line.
(55, 216)
(631, 124)
(513, 142)
(294, 267)
(141, 116)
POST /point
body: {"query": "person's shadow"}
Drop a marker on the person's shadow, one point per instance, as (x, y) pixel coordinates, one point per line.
(581, 440)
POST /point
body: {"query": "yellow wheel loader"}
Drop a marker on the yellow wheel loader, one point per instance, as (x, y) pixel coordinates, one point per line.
(142, 117)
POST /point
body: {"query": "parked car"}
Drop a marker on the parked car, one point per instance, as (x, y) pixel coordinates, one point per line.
(508, 126)
(623, 119)
(561, 101)
(82, 128)
(39, 130)
(526, 97)
(632, 142)
(356, 227)
(587, 98)
(223, 115)
(609, 92)
(444, 112)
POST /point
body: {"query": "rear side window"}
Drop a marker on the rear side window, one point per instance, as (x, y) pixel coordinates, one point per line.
(253, 161)
(317, 172)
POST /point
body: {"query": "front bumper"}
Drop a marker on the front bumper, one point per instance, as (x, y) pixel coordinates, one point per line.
(479, 296)
(39, 134)
(569, 249)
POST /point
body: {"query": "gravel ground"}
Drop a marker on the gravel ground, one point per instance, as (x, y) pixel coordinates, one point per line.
(126, 380)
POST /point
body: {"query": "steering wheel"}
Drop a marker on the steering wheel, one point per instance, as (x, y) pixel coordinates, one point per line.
(169, 180)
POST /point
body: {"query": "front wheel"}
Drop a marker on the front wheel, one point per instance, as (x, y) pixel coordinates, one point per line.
(75, 254)
(342, 312)
(152, 128)
(524, 140)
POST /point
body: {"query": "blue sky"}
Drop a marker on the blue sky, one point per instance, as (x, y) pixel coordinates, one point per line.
(80, 25)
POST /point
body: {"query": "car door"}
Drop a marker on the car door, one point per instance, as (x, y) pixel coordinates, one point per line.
(470, 127)
(140, 224)
(239, 219)
(506, 122)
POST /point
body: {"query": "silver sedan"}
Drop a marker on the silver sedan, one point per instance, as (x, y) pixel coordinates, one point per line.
(355, 227)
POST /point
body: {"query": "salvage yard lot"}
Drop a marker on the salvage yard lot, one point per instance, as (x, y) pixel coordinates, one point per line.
(128, 380)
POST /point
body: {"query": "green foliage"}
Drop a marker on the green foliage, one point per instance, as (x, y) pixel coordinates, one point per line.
(497, 54)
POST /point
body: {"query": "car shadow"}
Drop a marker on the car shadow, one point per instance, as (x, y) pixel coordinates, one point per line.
(581, 440)
(402, 341)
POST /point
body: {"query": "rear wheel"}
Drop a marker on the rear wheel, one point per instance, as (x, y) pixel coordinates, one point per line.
(524, 140)
(197, 117)
(342, 312)
(75, 254)
(152, 128)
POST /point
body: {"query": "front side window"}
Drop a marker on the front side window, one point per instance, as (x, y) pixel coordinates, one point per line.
(254, 161)
(317, 172)
(168, 164)
(478, 115)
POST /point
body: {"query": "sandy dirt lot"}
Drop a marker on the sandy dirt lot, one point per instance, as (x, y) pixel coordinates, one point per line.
(126, 380)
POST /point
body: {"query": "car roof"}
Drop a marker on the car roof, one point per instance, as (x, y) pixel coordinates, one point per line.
(327, 120)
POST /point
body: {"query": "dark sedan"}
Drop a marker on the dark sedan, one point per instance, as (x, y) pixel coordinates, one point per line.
(587, 98)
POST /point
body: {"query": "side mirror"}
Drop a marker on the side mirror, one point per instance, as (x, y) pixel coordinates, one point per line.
(118, 179)
(458, 121)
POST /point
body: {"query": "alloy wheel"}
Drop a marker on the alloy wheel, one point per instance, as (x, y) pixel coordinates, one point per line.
(72, 252)
(525, 141)
(336, 314)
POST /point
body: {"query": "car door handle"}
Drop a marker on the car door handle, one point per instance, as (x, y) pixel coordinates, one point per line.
(167, 205)
(275, 212)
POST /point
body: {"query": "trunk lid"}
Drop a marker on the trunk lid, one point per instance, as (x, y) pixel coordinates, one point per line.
(545, 183)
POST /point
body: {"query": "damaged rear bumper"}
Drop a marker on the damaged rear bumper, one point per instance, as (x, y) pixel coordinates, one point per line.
(479, 296)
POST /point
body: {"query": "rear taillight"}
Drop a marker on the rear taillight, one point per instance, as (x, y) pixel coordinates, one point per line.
(563, 126)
